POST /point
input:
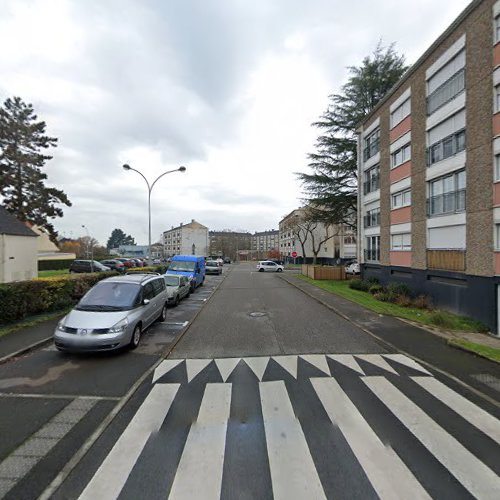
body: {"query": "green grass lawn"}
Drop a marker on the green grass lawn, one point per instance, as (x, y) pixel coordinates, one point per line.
(440, 319)
(48, 274)
(485, 351)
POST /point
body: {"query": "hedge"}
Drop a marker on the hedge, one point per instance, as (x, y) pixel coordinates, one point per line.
(54, 265)
(27, 298)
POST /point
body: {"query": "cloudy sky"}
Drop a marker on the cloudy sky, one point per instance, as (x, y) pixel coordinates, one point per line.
(227, 88)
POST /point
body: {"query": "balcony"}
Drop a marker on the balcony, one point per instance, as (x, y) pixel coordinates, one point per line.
(372, 220)
(371, 149)
(372, 185)
(446, 260)
(446, 203)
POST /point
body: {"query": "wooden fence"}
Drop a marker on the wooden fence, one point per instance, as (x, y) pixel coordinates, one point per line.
(448, 260)
(323, 272)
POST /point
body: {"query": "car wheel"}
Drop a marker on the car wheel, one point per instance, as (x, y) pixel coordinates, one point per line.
(280, 270)
(177, 300)
(261, 270)
(136, 337)
(163, 315)
(203, 282)
(193, 287)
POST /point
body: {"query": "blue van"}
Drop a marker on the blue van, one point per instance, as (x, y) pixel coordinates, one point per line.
(191, 266)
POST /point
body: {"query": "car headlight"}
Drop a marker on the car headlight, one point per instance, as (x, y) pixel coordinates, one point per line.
(119, 327)
(61, 326)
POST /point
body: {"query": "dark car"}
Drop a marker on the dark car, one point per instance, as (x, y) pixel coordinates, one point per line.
(87, 266)
(114, 264)
(127, 262)
(227, 260)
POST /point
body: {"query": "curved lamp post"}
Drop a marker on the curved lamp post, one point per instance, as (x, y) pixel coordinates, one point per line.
(150, 188)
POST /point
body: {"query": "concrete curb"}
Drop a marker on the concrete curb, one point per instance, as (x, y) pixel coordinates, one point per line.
(26, 349)
(387, 344)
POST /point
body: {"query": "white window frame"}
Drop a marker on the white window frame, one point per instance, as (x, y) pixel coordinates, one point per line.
(401, 112)
(404, 196)
(496, 29)
(497, 236)
(497, 167)
(404, 153)
(401, 242)
(497, 98)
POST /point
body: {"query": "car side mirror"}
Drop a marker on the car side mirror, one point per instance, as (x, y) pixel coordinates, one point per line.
(145, 302)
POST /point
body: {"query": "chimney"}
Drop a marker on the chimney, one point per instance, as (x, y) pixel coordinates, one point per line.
(192, 220)
(180, 224)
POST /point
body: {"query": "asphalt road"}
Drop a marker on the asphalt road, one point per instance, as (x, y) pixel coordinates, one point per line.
(267, 394)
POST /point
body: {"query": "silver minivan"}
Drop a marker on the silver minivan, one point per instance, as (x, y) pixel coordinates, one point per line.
(113, 314)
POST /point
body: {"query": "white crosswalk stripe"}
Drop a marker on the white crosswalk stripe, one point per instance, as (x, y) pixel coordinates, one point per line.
(296, 469)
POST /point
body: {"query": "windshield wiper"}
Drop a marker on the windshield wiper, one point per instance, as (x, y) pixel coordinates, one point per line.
(99, 307)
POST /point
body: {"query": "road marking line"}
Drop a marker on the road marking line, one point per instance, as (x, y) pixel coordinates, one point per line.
(111, 476)
(194, 366)
(57, 396)
(226, 366)
(388, 475)
(405, 360)
(317, 360)
(347, 360)
(293, 473)
(469, 411)
(289, 363)
(199, 474)
(475, 476)
(164, 367)
(257, 365)
(377, 360)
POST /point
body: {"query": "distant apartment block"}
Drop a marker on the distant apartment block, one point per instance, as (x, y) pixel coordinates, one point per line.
(264, 242)
(341, 247)
(429, 165)
(186, 239)
(229, 243)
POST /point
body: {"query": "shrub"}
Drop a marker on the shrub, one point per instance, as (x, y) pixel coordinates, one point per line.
(358, 284)
(54, 265)
(423, 302)
(403, 300)
(399, 289)
(440, 318)
(373, 281)
(383, 296)
(374, 289)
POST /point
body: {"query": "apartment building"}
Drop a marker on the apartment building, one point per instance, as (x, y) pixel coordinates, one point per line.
(292, 230)
(186, 239)
(429, 160)
(229, 243)
(264, 242)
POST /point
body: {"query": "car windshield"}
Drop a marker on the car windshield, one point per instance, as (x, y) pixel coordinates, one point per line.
(109, 296)
(182, 265)
(212, 263)
(171, 280)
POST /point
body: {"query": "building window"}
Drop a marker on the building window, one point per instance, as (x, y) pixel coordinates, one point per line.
(400, 113)
(372, 250)
(401, 199)
(496, 35)
(349, 240)
(371, 182)
(401, 242)
(401, 155)
(497, 237)
(372, 218)
(372, 144)
(449, 146)
(497, 167)
(447, 194)
(446, 83)
(497, 98)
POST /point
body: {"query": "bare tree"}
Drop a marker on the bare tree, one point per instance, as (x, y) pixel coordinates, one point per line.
(318, 231)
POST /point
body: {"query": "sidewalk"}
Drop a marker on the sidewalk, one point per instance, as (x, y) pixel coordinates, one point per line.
(431, 348)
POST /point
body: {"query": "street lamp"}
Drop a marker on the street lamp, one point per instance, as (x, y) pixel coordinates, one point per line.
(91, 248)
(150, 188)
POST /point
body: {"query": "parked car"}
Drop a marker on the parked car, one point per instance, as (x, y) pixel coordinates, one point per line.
(269, 265)
(113, 313)
(220, 260)
(213, 267)
(137, 262)
(191, 266)
(157, 262)
(126, 262)
(178, 287)
(352, 268)
(227, 260)
(114, 264)
(87, 266)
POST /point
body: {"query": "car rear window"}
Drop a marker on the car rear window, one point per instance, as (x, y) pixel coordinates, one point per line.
(171, 280)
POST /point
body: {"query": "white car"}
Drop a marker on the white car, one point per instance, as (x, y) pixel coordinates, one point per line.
(178, 287)
(352, 268)
(269, 265)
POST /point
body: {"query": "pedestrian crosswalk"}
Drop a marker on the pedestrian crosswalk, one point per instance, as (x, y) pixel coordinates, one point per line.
(305, 426)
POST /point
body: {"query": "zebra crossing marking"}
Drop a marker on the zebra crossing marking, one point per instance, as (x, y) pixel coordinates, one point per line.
(375, 458)
(347, 360)
(195, 366)
(289, 363)
(473, 474)
(293, 472)
(199, 474)
(257, 365)
(164, 367)
(377, 360)
(317, 360)
(226, 366)
(405, 360)
(111, 476)
(476, 416)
